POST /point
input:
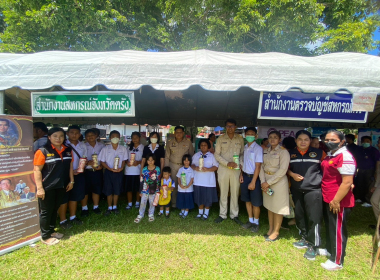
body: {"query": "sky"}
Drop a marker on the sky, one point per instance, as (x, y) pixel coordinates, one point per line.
(376, 36)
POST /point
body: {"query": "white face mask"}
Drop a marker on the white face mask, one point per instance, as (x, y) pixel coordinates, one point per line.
(153, 140)
(115, 140)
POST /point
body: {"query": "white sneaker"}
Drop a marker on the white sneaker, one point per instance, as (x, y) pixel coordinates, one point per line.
(365, 204)
(331, 266)
(323, 252)
(358, 201)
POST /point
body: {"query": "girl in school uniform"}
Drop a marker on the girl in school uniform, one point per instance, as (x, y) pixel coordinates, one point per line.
(149, 186)
(204, 179)
(185, 200)
(133, 168)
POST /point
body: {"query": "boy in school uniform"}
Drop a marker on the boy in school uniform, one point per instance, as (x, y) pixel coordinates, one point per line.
(166, 181)
(77, 193)
(113, 174)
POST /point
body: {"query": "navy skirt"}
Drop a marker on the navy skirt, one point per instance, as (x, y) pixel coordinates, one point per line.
(185, 200)
(205, 195)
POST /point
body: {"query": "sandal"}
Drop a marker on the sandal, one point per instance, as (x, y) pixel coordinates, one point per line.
(151, 218)
(138, 219)
(57, 235)
(204, 217)
(50, 241)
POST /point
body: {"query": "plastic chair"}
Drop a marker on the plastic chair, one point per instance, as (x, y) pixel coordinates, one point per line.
(376, 246)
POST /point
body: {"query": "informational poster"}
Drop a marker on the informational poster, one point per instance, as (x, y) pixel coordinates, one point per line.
(309, 107)
(264, 131)
(364, 102)
(19, 219)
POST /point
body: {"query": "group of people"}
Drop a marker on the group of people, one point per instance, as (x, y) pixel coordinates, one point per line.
(320, 183)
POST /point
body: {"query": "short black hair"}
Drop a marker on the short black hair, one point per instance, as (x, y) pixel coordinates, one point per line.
(5, 120)
(289, 143)
(114, 132)
(204, 141)
(350, 136)
(73, 127)
(89, 131)
(230, 121)
(275, 132)
(158, 136)
(41, 126)
(9, 180)
(264, 139)
(211, 135)
(303, 132)
(167, 169)
(97, 130)
(179, 127)
(188, 157)
(131, 145)
(151, 155)
(323, 135)
(366, 137)
(336, 132)
(251, 128)
(51, 132)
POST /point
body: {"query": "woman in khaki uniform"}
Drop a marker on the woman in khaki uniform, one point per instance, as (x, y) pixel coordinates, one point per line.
(273, 176)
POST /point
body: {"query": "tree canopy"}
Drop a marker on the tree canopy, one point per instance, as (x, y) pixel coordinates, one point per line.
(302, 27)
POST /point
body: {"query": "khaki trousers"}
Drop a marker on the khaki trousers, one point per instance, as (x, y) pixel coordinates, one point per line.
(375, 200)
(229, 180)
(174, 168)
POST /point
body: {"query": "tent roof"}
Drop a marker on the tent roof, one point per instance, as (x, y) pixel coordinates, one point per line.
(216, 71)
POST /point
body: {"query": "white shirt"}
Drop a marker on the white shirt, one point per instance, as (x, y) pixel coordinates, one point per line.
(92, 150)
(205, 179)
(151, 149)
(108, 154)
(81, 149)
(134, 170)
(252, 154)
(189, 175)
(167, 182)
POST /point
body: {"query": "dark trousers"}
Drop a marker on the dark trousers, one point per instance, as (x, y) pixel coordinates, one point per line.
(309, 214)
(49, 207)
(336, 232)
(363, 180)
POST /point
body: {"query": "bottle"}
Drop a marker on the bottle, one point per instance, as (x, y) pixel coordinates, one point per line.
(116, 162)
(82, 164)
(236, 160)
(201, 162)
(95, 160)
(156, 199)
(183, 179)
(145, 186)
(165, 191)
(270, 191)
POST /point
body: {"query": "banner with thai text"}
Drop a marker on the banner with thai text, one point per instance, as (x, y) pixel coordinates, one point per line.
(19, 219)
(296, 105)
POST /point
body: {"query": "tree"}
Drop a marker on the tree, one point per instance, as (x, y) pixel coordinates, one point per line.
(289, 26)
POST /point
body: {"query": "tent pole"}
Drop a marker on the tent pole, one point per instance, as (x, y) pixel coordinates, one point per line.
(2, 94)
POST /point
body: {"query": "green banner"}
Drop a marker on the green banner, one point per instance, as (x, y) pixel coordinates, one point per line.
(83, 104)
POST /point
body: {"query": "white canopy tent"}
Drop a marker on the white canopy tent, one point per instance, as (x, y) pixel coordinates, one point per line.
(193, 87)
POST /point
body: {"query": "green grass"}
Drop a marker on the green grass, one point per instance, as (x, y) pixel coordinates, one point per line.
(116, 248)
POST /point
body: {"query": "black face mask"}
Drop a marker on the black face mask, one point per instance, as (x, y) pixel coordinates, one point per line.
(332, 146)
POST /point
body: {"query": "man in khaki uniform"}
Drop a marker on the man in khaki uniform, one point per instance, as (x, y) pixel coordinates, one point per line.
(175, 150)
(227, 146)
(6, 194)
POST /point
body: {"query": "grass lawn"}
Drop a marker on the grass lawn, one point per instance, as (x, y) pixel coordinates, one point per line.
(116, 248)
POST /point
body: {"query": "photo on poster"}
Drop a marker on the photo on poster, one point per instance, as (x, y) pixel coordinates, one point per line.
(10, 132)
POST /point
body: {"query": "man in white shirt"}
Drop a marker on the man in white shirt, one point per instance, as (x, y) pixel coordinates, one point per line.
(40, 132)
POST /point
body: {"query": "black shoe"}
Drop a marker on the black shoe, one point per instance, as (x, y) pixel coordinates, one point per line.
(204, 217)
(219, 220)
(272, 240)
(198, 216)
(116, 211)
(76, 221)
(167, 216)
(310, 253)
(108, 212)
(97, 211)
(84, 213)
(236, 220)
(160, 214)
(66, 225)
(372, 226)
(129, 207)
(255, 228)
(248, 225)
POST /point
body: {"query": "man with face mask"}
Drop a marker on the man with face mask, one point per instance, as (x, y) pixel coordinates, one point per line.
(368, 160)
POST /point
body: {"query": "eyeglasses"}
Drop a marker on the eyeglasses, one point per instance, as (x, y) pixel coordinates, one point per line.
(230, 126)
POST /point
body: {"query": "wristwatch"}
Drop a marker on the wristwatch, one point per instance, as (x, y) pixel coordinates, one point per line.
(72, 182)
